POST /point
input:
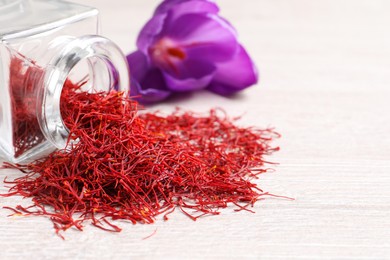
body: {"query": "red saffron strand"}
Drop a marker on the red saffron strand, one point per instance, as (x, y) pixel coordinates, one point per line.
(122, 165)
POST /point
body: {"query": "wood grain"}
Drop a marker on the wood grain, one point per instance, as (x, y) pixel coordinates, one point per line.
(325, 77)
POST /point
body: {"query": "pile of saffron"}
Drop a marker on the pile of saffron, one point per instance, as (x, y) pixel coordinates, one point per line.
(126, 164)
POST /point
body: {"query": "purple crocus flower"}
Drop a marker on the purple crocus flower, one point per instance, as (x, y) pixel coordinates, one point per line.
(187, 46)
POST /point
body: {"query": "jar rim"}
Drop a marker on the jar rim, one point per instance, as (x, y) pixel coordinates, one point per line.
(90, 46)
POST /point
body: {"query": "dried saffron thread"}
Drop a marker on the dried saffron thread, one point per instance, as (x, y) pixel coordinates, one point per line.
(136, 167)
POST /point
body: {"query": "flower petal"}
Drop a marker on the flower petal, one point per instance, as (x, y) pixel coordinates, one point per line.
(235, 75)
(187, 84)
(203, 36)
(147, 84)
(190, 68)
(150, 31)
(187, 6)
(151, 89)
(189, 75)
(138, 64)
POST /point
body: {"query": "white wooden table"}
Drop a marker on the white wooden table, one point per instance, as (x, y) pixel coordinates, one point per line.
(325, 86)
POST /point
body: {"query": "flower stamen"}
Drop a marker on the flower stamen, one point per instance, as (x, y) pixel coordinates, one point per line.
(177, 53)
(165, 53)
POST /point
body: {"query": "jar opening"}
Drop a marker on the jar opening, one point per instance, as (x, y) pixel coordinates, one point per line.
(91, 75)
(91, 61)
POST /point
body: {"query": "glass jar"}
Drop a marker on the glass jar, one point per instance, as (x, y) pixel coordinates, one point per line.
(43, 43)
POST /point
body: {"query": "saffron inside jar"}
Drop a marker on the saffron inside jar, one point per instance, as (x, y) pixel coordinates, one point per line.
(23, 92)
(122, 164)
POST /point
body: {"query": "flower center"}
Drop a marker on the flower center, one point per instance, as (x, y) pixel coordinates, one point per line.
(166, 53)
(176, 52)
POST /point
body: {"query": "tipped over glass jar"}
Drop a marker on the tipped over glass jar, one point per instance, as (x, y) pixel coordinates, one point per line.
(43, 43)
